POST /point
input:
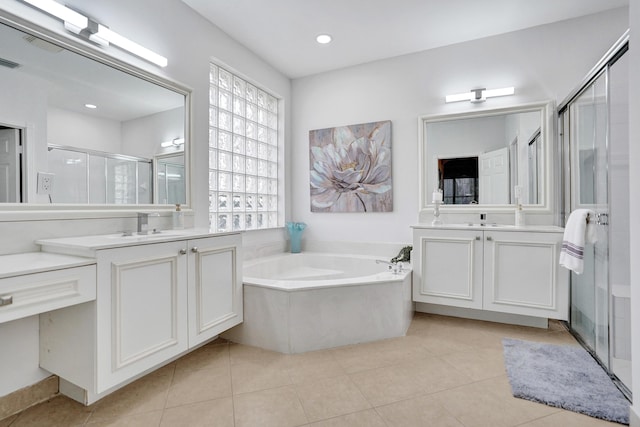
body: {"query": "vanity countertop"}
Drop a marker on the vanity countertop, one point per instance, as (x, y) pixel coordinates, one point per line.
(88, 244)
(36, 262)
(492, 227)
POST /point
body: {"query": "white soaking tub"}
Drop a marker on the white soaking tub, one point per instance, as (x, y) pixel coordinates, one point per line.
(294, 303)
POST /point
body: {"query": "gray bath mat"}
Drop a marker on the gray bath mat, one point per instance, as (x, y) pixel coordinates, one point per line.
(565, 377)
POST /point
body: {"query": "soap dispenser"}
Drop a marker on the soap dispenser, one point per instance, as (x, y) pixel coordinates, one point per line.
(178, 218)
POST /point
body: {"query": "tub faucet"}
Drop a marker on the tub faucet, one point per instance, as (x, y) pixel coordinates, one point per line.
(394, 267)
(143, 221)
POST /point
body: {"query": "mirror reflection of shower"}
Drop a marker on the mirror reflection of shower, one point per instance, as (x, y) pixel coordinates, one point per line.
(94, 177)
(170, 179)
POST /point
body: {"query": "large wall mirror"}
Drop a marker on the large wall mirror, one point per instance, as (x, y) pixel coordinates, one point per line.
(490, 158)
(79, 129)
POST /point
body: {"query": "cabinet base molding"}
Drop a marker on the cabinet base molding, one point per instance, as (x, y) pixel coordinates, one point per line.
(487, 316)
(26, 397)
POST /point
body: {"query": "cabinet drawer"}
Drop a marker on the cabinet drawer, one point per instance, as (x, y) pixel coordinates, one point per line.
(30, 294)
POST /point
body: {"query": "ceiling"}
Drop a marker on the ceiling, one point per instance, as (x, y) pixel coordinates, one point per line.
(283, 32)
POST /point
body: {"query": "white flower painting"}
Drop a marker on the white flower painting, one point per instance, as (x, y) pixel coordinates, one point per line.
(351, 168)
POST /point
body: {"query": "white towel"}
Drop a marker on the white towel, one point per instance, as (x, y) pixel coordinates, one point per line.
(577, 232)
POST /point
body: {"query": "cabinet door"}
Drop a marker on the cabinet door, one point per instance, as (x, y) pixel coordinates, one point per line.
(215, 286)
(522, 276)
(142, 314)
(449, 267)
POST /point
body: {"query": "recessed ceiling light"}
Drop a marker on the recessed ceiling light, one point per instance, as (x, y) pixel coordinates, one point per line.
(323, 38)
(91, 106)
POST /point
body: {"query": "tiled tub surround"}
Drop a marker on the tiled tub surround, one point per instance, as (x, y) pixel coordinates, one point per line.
(445, 372)
(296, 303)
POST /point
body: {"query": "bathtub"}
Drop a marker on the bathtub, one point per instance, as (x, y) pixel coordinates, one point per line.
(294, 303)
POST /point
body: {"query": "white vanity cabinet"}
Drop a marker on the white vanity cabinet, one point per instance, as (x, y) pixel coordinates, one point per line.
(499, 269)
(154, 302)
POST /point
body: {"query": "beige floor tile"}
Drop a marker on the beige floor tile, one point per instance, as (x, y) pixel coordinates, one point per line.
(362, 357)
(417, 412)
(259, 375)
(212, 413)
(239, 353)
(148, 419)
(490, 403)
(59, 411)
(144, 395)
(478, 364)
(313, 366)
(399, 382)
(330, 397)
(388, 384)
(198, 386)
(569, 419)
(279, 407)
(210, 356)
(368, 418)
(6, 422)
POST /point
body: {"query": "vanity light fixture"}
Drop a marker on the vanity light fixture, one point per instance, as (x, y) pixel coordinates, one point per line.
(324, 38)
(73, 21)
(83, 26)
(173, 143)
(480, 95)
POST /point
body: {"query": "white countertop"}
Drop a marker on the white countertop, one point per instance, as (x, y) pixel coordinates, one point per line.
(108, 241)
(491, 227)
(37, 262)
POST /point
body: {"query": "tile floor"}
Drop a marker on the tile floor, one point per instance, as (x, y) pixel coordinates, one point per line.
(445, 372)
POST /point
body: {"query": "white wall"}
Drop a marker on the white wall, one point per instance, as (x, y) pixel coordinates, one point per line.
(188, 41)
(634, 200)
(543, 63)
(66, 127)
(142, 136)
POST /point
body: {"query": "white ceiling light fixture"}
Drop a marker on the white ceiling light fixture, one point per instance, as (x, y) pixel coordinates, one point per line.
(91, 106)
(480, 95)
(324, 38)
(83, 26)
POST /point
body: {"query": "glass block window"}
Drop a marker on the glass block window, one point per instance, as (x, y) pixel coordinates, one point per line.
(243, 154)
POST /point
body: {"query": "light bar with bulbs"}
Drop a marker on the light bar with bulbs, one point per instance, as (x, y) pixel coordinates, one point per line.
(480, 95)
(79, 24)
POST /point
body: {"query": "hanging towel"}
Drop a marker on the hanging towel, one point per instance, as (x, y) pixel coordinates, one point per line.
(580, 229)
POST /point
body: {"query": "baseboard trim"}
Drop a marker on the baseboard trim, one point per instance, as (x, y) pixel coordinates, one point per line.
(28, 396)
(634, 417)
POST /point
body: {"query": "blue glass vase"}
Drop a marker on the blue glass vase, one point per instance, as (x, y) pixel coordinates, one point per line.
(295, 233)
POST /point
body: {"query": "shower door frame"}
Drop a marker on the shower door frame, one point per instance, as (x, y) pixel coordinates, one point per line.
(564, 126)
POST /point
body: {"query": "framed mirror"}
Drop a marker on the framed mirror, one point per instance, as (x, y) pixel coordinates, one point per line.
(487, 159)
(80, 130)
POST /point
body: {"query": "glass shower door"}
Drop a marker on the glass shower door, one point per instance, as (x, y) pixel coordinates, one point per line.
(588, 117)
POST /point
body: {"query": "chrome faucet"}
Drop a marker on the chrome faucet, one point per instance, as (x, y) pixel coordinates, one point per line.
(143, 221)
(394, 267)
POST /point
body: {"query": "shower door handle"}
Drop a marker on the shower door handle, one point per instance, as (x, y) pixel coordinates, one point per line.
(602, 219)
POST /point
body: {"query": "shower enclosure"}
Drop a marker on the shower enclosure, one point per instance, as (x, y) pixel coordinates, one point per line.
(594, 124)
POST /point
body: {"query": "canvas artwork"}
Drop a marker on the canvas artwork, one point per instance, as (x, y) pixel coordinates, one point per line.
(350, 168)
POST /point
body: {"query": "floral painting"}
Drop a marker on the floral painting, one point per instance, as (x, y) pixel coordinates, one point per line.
(351, 168)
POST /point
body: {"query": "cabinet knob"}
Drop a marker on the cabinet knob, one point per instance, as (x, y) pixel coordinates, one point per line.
(6, 300)
(194, 249)
(489, 238)
(183, 252)
(478, 238)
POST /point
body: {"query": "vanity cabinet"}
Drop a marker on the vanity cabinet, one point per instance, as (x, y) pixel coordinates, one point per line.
(508, 270)
(154, 302)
